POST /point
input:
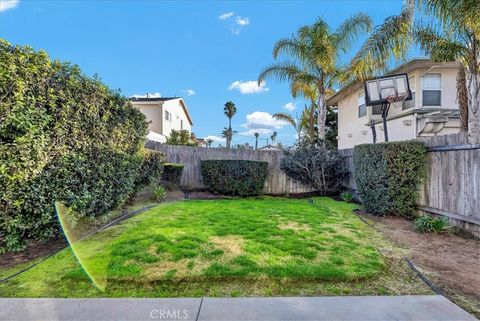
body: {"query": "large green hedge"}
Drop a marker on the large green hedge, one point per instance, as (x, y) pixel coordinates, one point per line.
(234, 177)
(389, 175)
(171, 175)
(63, 136)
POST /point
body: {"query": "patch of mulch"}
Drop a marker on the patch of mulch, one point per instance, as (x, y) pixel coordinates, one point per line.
(32, 252)
(451, 261)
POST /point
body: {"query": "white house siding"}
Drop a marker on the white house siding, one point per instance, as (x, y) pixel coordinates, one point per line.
(153, 113)
(175, 108)
(352, 130)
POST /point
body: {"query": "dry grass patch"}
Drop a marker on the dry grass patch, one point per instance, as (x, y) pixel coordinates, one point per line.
(292, 225)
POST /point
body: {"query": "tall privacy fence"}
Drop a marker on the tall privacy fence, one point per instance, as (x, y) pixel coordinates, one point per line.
(277, 182)
(452, 183)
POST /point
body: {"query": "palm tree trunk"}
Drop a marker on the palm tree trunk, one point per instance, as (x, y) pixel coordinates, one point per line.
(462, 98)
(322, 116)
(473, 81)
(311, 124)
(229, 133)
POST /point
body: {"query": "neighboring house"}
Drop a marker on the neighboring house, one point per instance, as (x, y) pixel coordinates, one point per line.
(164, 114)
(432, 111)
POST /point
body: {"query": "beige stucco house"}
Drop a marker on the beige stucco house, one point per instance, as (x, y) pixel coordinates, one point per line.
(164, 114)
(432, 111)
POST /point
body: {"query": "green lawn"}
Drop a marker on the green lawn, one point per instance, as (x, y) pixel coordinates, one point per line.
(264, 246)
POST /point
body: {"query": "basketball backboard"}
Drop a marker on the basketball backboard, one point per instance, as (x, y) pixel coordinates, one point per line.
(383, 90)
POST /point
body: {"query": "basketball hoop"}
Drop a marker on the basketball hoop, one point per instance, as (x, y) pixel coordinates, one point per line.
(400, 97)
(387, 90)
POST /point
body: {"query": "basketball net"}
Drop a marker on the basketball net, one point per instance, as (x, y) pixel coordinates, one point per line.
(397, 98)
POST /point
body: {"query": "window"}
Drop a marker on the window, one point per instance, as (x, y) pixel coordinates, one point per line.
(181, 124)
(362, 107)
(432, 90)
(407, 104)
(168, 116)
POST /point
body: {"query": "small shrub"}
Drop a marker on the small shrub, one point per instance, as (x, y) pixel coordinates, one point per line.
(429, 224)
(151, 169)
(318, 166)
(159, 193)
(172, 172)
(388, 176)
(234, 177)
(347, 197)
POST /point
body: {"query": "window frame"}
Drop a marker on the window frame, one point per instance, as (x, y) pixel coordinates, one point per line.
(359, 106)
(440, 90)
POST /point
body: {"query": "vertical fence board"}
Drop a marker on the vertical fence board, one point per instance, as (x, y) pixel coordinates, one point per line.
(276, 183)
(452, 182)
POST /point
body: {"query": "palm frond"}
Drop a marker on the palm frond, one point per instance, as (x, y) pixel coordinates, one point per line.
(285, 117)
(285, 71)
(439, 46)
(392, 38)
(350, 29)
(289, 46)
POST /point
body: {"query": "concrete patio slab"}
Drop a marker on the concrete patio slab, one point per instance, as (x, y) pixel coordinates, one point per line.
(347, 308)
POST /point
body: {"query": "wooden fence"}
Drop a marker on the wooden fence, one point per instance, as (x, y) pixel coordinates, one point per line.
(452, 184)
(277, 182)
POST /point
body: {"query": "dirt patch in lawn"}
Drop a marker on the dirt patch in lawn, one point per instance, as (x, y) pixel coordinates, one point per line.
(452, 262)
(33, 251)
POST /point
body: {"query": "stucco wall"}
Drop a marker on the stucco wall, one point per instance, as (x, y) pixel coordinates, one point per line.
(175, 108)
(352, 130)
(153, 113)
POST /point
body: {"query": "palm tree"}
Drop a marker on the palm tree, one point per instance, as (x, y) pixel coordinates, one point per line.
(313, 58)
(256, 140)
(227, 133)
(451, 33)
(209, 142)
(274, 137)
(229, 110)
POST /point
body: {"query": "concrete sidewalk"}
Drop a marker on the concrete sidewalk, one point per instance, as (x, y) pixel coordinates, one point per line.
(347, 308)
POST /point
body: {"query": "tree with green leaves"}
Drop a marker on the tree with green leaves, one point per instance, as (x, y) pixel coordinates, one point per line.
(256, 140)
(229, 110)
(181, 137)
(296, 124)
(313, 59)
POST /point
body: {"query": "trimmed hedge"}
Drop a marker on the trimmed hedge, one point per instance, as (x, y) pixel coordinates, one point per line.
(152, 168)
(234, 177)
(63, 137)
(172, 172)
(388, 176)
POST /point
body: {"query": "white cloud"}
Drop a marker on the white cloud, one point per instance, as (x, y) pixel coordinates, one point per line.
(8, 4)
(248, 87)
(150, 95)
(290, 106)
(225, 16)
(262, 123)
(242, 21)
(216, 139)
(189, 92)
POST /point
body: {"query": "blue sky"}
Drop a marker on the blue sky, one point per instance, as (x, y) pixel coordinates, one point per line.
(206, 52)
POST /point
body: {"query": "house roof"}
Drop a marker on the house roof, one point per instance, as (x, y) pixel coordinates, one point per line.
(152, 98)
(163, 99)
(407, 67)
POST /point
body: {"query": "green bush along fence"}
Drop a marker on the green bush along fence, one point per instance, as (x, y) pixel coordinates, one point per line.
(234, 177)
